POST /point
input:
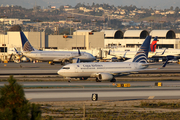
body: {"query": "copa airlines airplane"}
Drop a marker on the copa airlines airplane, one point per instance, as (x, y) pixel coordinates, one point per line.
(108, 70)
(130, 54)
(55, 56)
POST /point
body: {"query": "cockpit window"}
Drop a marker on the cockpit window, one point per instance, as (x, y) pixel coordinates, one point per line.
(66, 67)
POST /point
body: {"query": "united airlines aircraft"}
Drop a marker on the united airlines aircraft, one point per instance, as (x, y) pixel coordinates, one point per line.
(108, 70)
(55, 56)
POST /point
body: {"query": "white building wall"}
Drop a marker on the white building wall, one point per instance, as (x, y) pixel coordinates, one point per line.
(123, 42)
(14, 40)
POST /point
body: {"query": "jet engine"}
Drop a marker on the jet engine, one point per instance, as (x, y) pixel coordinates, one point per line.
(104, 76)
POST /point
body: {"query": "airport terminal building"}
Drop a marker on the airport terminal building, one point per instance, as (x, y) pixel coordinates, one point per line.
(134, 38)
(88, 40)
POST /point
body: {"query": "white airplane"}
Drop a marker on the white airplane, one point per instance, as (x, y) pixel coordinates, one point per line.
(166, 52)
(130, 54)
(54, 56)
(109, 70)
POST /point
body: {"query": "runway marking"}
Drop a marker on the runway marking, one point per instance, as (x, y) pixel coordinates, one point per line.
(150, 97)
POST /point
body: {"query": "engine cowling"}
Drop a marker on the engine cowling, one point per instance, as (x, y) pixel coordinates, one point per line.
(104, 76)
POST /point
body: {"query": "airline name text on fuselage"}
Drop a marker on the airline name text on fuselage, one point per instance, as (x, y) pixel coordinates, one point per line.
(95, 65)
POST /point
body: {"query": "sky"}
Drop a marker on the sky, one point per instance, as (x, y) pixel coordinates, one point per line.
(155, 4)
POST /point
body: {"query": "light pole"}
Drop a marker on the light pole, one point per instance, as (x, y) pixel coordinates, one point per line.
(94, 22)
(151, 21)
(161, 22)
(76, 35)
(70, 24)
(76, 21)
(4, 33)
(4, 37)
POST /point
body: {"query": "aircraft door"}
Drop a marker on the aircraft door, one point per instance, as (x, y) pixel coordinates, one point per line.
(78, 69)
(136, 66)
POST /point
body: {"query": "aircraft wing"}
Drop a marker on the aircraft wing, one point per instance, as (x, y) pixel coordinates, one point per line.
(67, 58)
(126, 72)
(137, 70)
(64, 59)
(131, 72)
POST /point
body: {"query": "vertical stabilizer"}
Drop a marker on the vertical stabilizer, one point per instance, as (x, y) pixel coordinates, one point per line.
(153, 45)
(142, 54)
(26, 46)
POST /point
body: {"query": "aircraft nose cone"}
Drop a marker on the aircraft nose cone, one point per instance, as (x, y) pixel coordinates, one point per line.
(94, 58)
(59, 72)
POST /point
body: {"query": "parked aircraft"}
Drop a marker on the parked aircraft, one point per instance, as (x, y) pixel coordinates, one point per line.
(109, 70)
(130, 54)
(165, 52)
(54, 56)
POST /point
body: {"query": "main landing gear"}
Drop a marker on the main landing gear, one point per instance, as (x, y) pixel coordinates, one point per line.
(83, 78)
(97, 80)
(113, 80)
(69, 80)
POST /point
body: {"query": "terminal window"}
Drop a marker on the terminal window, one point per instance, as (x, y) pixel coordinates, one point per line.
(79, 48)
(3, 49)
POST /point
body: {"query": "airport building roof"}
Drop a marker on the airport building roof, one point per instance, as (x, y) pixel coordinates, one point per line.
(136, 34)
(168, 34)
(117, 34)
(15, 28)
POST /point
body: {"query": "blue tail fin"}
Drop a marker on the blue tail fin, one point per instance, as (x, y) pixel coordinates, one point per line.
(26, 46)
(142, 54)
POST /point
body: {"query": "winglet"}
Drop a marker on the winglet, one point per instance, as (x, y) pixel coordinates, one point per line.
(16, 51)
(124, 55)
(78, 60)
(109, 52)
(163, 52)
(79, 53)
(169, 57)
